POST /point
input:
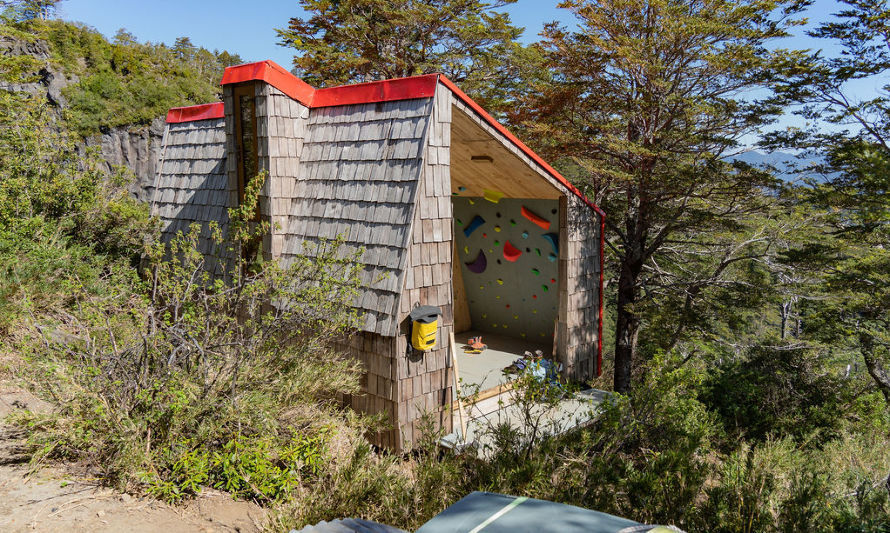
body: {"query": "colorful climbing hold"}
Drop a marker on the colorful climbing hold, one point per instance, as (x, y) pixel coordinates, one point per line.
(525, 235)
(461, 188)
(512, 222)
(473, 225)
(478, 265)
(459, 222)
(552, 280)
(492, 196)
(540, 221)
(498, 214)
(553, 239)
(511, 253)
(545, 287)
(536, 272)
(484, 315)
(553, 211)
(484, 235)
(471, 201)
(552, 257)
(538, 251)
(535, 296)
(497, 228)
(501, 282)
(466, 250)
(497, 242)
(515, 317)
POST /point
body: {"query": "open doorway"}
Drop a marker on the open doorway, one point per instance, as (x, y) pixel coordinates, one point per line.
(506, 259)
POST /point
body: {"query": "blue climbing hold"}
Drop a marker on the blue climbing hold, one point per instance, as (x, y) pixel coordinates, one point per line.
(473, 225)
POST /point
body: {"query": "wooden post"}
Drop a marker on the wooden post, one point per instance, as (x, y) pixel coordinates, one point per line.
(460, 405)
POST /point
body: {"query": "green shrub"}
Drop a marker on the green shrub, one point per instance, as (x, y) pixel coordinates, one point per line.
(781, 390)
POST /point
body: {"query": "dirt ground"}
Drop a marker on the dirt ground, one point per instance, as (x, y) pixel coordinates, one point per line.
(56, 499)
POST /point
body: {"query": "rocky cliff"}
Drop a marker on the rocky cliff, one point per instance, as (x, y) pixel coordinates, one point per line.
(135, 148)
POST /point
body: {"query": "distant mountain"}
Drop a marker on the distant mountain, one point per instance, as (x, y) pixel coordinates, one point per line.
(788, 166)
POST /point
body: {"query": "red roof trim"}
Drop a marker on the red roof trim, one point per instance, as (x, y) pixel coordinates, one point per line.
(273, 74)
(377, 91)
(195, 112)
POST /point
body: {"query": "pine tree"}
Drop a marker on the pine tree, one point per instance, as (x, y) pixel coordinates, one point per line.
(363, 40)
(645, 101)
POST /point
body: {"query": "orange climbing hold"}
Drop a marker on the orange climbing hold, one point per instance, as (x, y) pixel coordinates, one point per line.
(540, 221)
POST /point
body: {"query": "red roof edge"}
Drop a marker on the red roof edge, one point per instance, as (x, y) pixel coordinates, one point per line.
(556, 175)
(195, 112)
(273, 74)
(377, 91)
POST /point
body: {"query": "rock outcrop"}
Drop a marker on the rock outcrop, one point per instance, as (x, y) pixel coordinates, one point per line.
(135, 148)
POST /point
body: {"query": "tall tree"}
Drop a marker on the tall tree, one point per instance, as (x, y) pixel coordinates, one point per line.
(853, 136)
(646, 99)
(348, 41)
(31, 9)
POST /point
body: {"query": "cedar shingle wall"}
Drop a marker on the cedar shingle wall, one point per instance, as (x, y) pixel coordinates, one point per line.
(281, 128)
(378, 383)
(580, 268)
(191, 185)
(425, 381)
(358, 175)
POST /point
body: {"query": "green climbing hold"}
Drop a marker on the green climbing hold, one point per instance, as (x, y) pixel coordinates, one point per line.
(545, 287)
(536, 272)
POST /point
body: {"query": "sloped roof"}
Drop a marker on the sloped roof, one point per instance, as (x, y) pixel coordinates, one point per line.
(358, 176)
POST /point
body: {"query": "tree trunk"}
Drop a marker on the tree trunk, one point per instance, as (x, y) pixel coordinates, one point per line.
(872, 363)
(627, 328)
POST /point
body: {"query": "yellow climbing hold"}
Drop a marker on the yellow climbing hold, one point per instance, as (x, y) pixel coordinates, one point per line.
(492, 196)
(500, 281)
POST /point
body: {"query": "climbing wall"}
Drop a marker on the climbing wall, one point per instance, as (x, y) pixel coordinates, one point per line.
(508, 252)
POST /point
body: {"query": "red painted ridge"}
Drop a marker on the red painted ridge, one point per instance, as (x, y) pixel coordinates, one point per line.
(195, 112)
(377, 91)
(273, 74)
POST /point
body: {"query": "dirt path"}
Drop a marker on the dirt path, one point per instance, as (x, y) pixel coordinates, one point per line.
(54, 499)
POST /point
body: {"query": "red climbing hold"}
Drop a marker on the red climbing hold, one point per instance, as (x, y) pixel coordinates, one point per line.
(540, 221)
(511, 253)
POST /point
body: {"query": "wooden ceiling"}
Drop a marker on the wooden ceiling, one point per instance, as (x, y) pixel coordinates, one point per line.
(496, 167)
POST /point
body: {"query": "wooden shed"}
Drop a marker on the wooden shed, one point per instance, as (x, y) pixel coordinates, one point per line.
(452, 211)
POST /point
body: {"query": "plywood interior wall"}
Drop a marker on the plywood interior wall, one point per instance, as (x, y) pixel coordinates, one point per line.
(518, 298)
(496, 167)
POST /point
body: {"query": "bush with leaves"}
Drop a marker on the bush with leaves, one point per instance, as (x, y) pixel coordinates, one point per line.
(199, 378)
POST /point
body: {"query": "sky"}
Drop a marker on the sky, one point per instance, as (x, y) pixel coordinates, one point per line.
(227, 25)
(248, 29)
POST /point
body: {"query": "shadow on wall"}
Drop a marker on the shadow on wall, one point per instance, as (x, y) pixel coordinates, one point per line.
(184, 199)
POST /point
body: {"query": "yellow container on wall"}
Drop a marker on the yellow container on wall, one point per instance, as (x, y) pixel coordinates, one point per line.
(424, 323)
